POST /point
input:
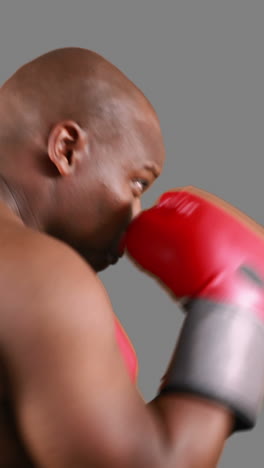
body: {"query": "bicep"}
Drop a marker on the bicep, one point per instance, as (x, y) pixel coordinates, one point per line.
(73, 396)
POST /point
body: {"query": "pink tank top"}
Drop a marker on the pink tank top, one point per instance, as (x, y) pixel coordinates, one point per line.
(127, 351)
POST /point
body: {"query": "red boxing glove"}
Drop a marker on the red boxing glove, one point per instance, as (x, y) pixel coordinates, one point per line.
(211, 256)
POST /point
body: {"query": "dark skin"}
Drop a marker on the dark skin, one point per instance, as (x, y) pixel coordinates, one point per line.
(79, 145)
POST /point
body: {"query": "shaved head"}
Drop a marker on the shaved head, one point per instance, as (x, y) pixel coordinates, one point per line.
(79, 145)
(76, 84)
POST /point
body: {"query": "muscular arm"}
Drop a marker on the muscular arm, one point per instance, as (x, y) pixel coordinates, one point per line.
(196, 430)
(74, 401)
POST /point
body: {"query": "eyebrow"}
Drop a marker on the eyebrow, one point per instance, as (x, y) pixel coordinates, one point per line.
(152, 167)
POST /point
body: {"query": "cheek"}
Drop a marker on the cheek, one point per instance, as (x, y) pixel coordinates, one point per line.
(117, 209)
(112, 200)
(116, 195)
(114, 212)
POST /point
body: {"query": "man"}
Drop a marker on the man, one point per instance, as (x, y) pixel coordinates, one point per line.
(79, 145)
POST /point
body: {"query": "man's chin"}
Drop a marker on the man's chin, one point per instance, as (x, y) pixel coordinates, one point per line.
(100, 264)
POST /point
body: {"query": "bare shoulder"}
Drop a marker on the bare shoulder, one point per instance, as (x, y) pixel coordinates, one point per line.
(41, 281)
(33, 251)
(65, 373)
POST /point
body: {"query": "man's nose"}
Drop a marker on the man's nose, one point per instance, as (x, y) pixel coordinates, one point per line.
(136, 208)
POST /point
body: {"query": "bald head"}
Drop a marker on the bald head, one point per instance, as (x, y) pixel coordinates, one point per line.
(76, 84)
(79, 145)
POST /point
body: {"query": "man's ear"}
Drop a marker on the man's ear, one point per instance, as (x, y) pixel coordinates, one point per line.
(67, 144)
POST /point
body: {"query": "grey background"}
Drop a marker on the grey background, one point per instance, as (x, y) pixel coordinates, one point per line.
(201, 65)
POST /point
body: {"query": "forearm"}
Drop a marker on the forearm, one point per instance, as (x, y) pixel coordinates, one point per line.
(195, 430)
(177, 431)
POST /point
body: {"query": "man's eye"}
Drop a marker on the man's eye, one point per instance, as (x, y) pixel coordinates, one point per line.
(141, 184)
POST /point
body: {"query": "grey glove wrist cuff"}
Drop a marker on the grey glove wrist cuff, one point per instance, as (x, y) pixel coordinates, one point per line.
(220, 355)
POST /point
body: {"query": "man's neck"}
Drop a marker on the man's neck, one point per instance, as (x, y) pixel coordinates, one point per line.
(8, 198)
(18, 203)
